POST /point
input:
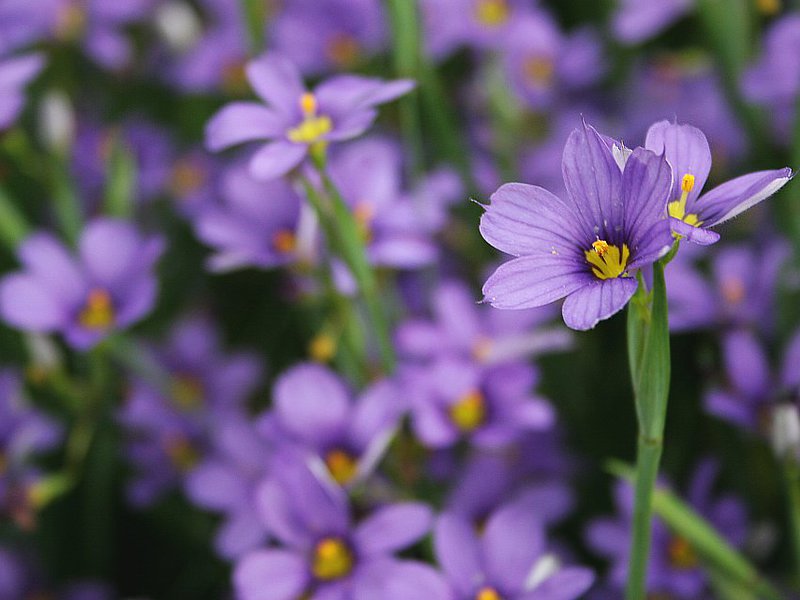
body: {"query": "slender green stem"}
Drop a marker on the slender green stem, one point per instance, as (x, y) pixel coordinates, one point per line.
(792, 482)
(254, 14)
(69, 211)
(13, 225)
(120, 180)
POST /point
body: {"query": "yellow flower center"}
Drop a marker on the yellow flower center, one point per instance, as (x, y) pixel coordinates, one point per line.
(606, 259)
(322, 347)
(488, 593)
(539, 70)
(768, 7)
(677, 208)
(98, 313)
(284, 241)
(681, 554)
(186, 178)
(343, 50)
(469, 411)
(492, 12)
(187, 392)
(313, 127)
(181, 453)
(342, 466)
(332, 559)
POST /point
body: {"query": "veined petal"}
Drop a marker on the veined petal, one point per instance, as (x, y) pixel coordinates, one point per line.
(646, 185)
(687, 150)
(276, 79)
(240, 122)
(276, 159)
(589, 305)
(698, 235)
(593, 181)
(655, 243)
(737, 195)
(526, 219)
(531, 281)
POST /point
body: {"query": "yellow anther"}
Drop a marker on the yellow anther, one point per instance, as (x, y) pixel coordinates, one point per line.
(308, 104)
(343, 50)
(492, 12)
(469, 412)
(332, 559)
(681, 554)
(687, 183)
(187, 392)
(539, 70)
(311, 130)
(606, 259)
(677, 208)
(98, 313)
(322, 347)
(341, 465)
(284, 241)
(488, 593)
(71, 21)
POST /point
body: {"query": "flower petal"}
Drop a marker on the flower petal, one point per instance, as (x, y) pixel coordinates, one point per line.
(270, 575)
(392, 528)
(399, 580)
(686, 149)
(46, 257)
(591, 304)
(276, 159)
(458, 551)
(28, 304)
(737, 195)
(240, 122)
(746, 363)
(277, 81)
(567, 584)
(697, 235)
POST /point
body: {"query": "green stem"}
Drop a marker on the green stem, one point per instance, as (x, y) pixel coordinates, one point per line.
(792, 481)
(648, 329)
(66, 202)
(13, 225)
(254, 14)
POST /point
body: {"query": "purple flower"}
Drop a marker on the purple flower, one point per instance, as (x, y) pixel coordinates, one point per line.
(296, 120)
(323, 554)
(15, 74)
(108, 286)
(587, 247)
(691, 214)
(509, 561)
(637, 20)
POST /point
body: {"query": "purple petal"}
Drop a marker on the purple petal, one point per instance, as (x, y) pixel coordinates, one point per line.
(392, 528)
(737, 195)
(686, 149)
(567, 584)
(400, 580)
(276, 79)
(790, 373)
(458, 551)
(637, 20)
(239, 533)
(589, 305)
(47, 258)
(270, 575)
(275, 510)
(697, 235)
(433, 428)
(16, 72)
(112, 250)
(729, 407)
(28, 304)
(377, 411)
(215, 486)
(531, 281)
(746, 363)
(276, 159)
(240, 122)
(525, 219)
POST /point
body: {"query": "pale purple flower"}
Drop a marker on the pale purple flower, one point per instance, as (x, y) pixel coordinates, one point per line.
(509, 560)
(635, 21)
(15, 73)
(587, 247)
(108, 286)
(294, 119)
(691, 214)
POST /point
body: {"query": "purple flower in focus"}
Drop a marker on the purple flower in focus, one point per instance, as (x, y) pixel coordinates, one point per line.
(295, 120)
(691, 214)
(587, 247)
(108, 286)
(637, 20)
(509, 561)
(316, 411)
(15, 73)
(324, 554)
(674, 568)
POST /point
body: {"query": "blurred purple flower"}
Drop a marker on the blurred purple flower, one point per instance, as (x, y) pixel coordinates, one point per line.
(296, 120)
(108, 286)
(588, 247)
(508, 561)
(323, 35)
(635, 21)
(687, 151)
(15, 73)
(323, 554)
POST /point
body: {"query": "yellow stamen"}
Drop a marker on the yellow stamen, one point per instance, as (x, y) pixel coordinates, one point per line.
(322, 347)
(469, 412)
(181, 453)
(332, 559)
(308, 104)
(488, 593)
(311, 130)
(768, 7)
(492, 12)
(342, 466)
(687, 183)
(606, 259)
(71, 22)
(677, 209)
(343, 50)
(284, 241)
(681, 554)
(187, 392)
(98, 312)
(539, 70)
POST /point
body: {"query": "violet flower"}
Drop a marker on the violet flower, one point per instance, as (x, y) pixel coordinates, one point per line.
(295, 120)
(691, 214)
(324, 554)
(587, 247)
(635, 21)
(348, 436)
(108, 286)
(508, 561)
(15, 73)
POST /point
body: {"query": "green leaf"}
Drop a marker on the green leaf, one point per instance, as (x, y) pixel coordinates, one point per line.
(120, 180)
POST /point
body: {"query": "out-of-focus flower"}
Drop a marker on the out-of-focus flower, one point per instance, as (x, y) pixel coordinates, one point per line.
(295, 120)
(324, 554)
(348, 436)
(508, 561)
(635, 21)
(674, 567)
(686, 149)
(741, 291)
(774, 80)
(15, 73)
(587, 247)
(323, 35)
(107, 287)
